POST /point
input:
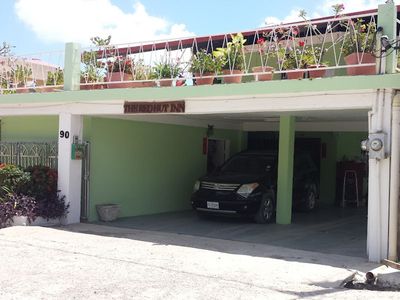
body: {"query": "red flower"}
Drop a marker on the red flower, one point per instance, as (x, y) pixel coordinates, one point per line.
(301, 43)
(261, 41)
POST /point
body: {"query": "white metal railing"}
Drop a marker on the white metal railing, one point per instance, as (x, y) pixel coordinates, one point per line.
(312, 48)
(40, 72)
(308, 47)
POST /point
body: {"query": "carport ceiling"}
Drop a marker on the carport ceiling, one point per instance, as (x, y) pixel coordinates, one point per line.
(301, 116)
(360, 115)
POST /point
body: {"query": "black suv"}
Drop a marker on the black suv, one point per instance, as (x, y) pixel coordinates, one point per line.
(246, 185)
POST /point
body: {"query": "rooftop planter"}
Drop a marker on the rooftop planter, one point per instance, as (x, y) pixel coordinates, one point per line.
(233, 58)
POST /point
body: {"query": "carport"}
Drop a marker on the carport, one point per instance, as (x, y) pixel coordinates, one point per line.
(134, 155)
(331, 230)
(334, 118)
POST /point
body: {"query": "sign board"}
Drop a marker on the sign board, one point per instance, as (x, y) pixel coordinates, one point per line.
(154, 107)
(77, 151)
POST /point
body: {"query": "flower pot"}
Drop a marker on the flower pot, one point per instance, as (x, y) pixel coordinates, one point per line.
(45, 89)
(263, 77)
(203, 81)
(141, 84)
(233, 79)
(117, 76)
(24, 90)
(295, 75)
(358, 58)
(317, 73)
(93, 86)
(107, 212)
(39, 221)
(166, 82)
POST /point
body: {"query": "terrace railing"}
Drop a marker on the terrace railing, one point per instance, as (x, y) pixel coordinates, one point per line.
(40, 72)
(318, 45)
(312, 48)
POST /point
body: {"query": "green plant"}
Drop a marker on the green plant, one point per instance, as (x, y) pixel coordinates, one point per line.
(21, 74)
(13, 205)
(93, 69)
(12, 179)
(232, 56)
(167, 69)
(359, 37)
(141, 71)
(120, 64)
(203, 62)
(56, 77)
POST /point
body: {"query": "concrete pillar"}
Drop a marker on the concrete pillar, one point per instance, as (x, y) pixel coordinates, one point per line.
(387, 19)
(70, 171)
(394, 180)
(72, 67)
(379, 181)
(285, 170)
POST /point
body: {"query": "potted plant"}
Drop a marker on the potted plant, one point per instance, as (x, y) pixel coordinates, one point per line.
(204, 66)
(233, 58)
(264, 72)
(143, 74)
(167, 71)
(93, 70)
(119, 70)
(358, 43)
(358, 46)
(312, 57)
(291, 59)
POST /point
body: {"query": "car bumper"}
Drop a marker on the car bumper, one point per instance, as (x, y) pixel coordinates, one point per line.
(232, 206)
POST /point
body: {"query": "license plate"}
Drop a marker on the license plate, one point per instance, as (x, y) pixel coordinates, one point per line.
(213, 205)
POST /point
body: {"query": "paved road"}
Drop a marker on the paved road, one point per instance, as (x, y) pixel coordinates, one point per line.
(99, 262)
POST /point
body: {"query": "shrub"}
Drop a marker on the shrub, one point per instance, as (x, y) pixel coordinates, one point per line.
(43, 187)
(12, 179)
(17, 205)
(32, 193)
(42, 183)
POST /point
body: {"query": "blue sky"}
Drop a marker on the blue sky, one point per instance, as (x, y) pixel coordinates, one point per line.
(42, 25)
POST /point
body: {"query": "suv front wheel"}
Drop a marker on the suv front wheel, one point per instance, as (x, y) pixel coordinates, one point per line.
(266, 211)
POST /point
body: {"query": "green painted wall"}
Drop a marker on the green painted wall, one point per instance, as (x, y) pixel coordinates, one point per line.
(37, 128)
(146, 167)
(348, 145)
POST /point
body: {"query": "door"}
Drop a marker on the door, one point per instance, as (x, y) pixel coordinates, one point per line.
(217, 153)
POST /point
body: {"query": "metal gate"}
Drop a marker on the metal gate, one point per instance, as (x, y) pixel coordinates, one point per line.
(26, 154)
(85, 182)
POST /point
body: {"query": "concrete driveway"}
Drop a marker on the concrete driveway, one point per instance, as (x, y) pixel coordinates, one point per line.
(88, 261)
(329, 230)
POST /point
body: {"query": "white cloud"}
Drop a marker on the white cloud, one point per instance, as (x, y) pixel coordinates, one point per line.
(325, 9)
(291, 17)
(79, 20)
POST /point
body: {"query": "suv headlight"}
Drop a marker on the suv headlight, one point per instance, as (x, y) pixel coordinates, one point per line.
(246, 189)
(196, 186)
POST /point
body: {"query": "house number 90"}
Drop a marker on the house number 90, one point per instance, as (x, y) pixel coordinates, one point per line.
(64, 134)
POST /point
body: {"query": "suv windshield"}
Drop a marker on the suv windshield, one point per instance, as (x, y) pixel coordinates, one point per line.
(246, 164)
